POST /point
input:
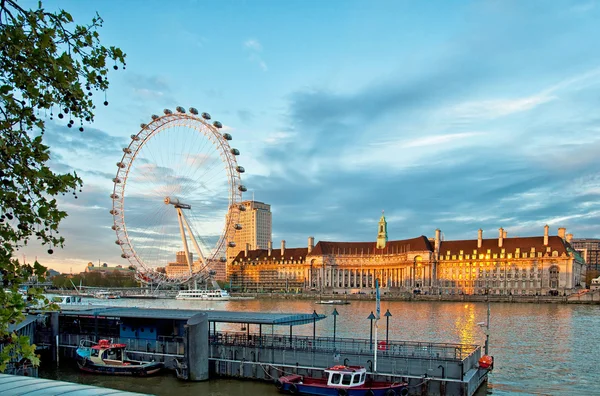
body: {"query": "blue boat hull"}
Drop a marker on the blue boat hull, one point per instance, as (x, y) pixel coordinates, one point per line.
(302, 389)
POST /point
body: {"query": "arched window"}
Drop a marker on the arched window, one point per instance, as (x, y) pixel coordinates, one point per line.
(553, 271)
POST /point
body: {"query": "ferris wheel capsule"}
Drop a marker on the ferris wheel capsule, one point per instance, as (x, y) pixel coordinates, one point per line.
(242, 208)
(206, 116)
(223, 259)
(114, 212)
(237, 226)
(227, 136)
(114, 196)
(127, 150)
(135, 137)
(231, 244)
(116, 180)
(242, 188)
(240, 169)
(167, 112)
(115, 227)
(154, 117)
(118, 242)
(235, 151)
(217, 124)
(180, 109)
(143, 126)
(120, 165)
(193, 110)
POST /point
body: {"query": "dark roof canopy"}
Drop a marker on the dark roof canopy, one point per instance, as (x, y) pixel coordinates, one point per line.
(266, 318)
(21, 385)
(356, 248)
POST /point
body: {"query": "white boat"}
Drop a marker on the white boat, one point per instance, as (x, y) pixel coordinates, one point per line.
(106, 295)
(205, 294)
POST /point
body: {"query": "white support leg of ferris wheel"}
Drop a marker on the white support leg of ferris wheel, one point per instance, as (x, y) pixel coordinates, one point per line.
(183, 238)
(196, 246)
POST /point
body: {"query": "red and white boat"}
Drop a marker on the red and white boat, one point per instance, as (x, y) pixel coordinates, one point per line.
(340, 381)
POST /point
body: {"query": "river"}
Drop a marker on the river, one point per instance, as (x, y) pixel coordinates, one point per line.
(541, 349)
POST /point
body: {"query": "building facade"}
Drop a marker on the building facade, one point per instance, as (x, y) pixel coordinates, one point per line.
(255, 233)
(589, 249)
(538, 265)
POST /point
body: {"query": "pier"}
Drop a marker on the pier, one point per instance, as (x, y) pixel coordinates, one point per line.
(258, 352)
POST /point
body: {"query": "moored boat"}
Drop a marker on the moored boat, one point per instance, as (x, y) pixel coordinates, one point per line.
(340, 381)
(108, 358)
(334, 302)
(199, 294)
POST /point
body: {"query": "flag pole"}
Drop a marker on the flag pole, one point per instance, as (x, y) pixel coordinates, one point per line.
(377, 309)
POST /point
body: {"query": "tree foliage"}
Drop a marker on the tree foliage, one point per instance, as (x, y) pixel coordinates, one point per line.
(51, 70)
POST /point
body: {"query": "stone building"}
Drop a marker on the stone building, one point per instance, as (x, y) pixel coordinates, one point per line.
(503, 266)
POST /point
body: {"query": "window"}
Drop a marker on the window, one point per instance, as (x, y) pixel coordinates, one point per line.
(335, 378)
(346, 379)
(355, 378)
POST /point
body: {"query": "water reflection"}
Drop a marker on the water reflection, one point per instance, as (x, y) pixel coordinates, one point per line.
(538, 348)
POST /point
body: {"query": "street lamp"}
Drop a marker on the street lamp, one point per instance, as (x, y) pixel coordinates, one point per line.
(315, 316)
(371, 318)
(387, 315)
(335, 314)
(414, 272)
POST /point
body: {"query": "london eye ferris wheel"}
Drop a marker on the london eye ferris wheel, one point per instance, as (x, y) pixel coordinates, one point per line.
(177, 197)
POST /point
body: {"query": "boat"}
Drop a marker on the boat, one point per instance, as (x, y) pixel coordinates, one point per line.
(203, 294)
(106, 295)
(108, 358)
(334, 302)
(340, 381)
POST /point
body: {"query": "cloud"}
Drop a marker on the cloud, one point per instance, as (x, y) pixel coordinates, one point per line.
(254, 48)
(150, 87)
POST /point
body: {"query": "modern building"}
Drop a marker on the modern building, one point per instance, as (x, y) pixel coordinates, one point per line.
(256, 229)
(180, 265)
(589, 249)
(504, 266)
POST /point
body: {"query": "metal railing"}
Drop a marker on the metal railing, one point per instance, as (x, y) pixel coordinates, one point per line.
(405, 349)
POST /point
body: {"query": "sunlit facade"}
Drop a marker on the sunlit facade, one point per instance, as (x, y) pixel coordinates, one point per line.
(539, 265)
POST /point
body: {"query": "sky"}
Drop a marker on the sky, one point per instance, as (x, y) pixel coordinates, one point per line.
(449, 115)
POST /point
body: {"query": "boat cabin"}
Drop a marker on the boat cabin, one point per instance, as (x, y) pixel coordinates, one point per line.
(346, 376)
(66, 300)
(106, 353)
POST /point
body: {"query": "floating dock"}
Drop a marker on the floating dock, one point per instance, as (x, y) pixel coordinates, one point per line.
(188, 342)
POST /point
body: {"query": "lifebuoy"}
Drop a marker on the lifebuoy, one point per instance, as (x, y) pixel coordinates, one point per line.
(342, 392)
(382, 345)
(390, 392)
(404, 392)
(294, 389)
(278, 385)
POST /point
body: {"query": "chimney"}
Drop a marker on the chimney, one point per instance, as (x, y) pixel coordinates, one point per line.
(479, 238)
(546, 228)
(270, 247)
(282, 247)
(505, 234)
(500, 236)
(561, 232)
(311, 244)
(246, 250)
(569, 238)
(436, 242)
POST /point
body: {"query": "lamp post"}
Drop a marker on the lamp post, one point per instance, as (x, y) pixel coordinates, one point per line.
(371, 318)
(414, 272)
(315, 316)
(335, 314)
(387, 315)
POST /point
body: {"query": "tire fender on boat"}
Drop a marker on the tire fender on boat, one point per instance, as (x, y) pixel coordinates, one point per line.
(342, 392)
(390, 392)
(404, 392)
(293, 389)
(278, 385)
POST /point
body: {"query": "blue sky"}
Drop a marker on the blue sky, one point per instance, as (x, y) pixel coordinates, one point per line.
(450, 115)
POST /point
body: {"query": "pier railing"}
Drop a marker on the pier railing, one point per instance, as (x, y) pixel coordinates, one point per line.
(406, 349)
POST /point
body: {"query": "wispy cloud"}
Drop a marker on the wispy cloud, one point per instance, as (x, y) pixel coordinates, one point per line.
(254, 47)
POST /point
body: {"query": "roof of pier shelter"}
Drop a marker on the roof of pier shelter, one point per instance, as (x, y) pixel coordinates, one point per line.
(21, 385)
(266, 318)
(364, 248)
(263, 254)
(509, 245)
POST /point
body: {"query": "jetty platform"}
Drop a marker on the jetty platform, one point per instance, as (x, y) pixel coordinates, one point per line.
(196, 346)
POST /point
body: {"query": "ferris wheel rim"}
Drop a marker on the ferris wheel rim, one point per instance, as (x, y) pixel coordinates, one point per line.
(235, 188)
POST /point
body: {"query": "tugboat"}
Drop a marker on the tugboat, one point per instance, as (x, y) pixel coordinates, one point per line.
(108, 358)
(340, 381)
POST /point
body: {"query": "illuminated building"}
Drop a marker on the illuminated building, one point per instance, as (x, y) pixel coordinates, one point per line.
(503, 266)
(255, 232)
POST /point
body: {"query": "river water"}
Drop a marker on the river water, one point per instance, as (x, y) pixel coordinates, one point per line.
(541, 349)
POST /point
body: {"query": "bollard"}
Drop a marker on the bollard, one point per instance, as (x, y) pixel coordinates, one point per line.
(196, 347)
